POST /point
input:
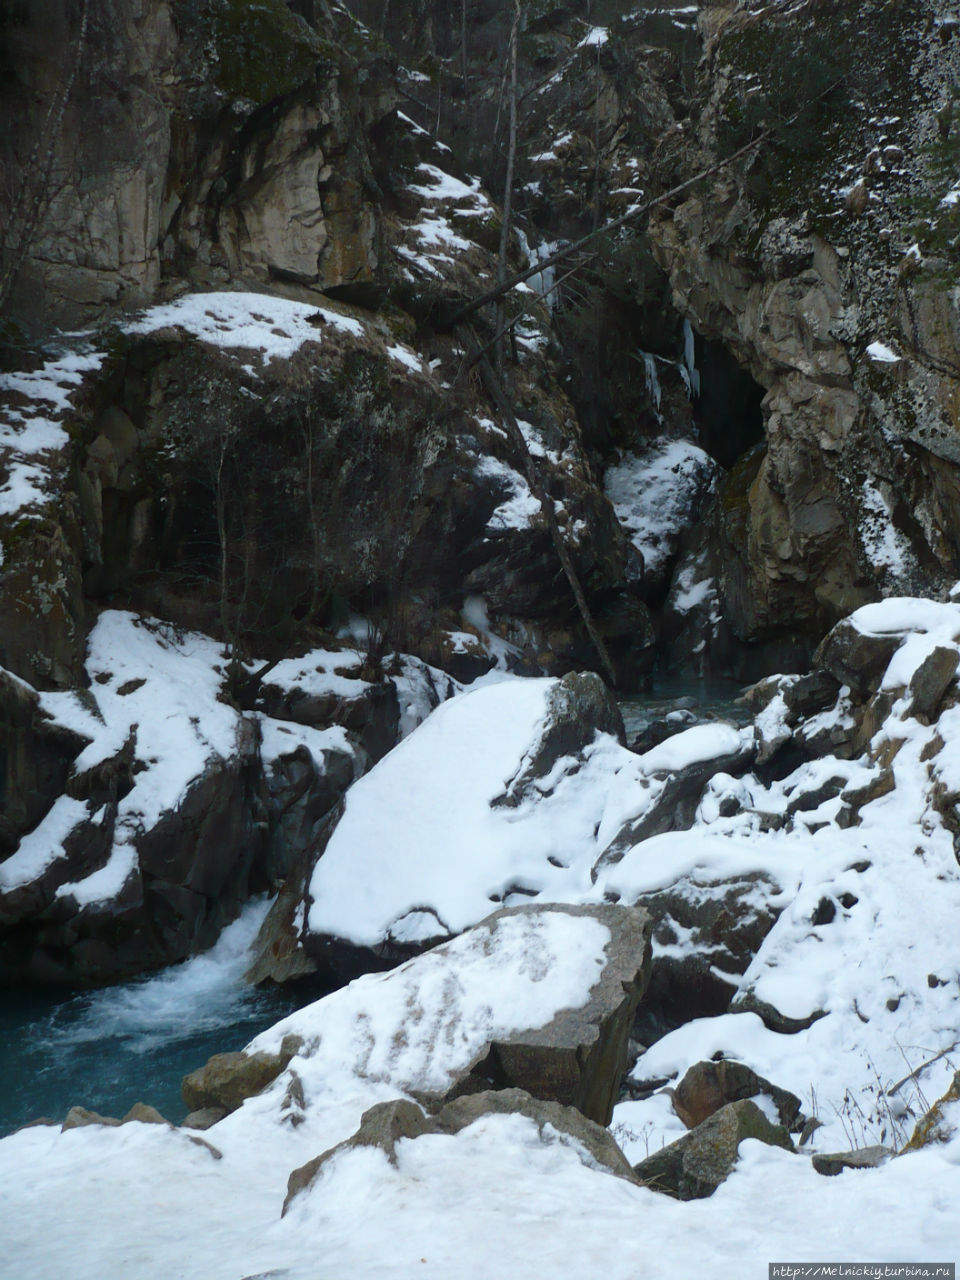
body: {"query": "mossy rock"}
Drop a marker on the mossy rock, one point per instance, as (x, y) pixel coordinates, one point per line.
(257, 49)
(934, 1128)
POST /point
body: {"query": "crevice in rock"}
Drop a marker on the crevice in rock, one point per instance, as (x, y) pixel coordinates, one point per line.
(727, 408)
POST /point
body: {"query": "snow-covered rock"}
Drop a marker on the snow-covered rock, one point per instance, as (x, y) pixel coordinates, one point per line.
(157, 807)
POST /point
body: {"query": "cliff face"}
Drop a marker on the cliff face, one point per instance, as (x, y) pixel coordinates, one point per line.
(803, 260)
(234, 400)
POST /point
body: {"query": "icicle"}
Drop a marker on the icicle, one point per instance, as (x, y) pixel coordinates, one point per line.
(653, 379)
(692, 378)
(542, 283)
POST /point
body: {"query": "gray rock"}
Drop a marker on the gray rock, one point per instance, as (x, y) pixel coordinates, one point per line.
(385, 1124)
(863, 1158)
(724, 926)
(695, 1165)
(856, 658)
(675, 805)
(229, 1078)
(579, 707)
(579, 1057)
(773, 1019)
(931, 680)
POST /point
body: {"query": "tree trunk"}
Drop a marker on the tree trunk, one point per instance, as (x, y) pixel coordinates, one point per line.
(511, 161)
(499, 397)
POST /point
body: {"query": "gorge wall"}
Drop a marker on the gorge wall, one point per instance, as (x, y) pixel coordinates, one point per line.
(233, 400)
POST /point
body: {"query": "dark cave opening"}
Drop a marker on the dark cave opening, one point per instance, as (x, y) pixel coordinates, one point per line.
(727, 408)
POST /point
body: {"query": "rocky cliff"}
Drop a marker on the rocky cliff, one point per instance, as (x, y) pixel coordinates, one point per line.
(238, 402)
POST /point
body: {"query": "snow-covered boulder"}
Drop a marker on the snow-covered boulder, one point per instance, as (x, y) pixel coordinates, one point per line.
(540, 998)
(384, 1125)
(513, 790)
(140, 813)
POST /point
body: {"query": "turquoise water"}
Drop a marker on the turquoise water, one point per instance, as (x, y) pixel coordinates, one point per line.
(132, 1043)
(108, 1049)
(700, 701)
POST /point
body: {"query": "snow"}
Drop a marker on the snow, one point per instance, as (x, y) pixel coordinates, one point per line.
(43, 846)
(32, 407)
(881, 353)
(420, 830)
(422, 1025)
(521, 508)
(653, 493)
(276, 327)
(409, 359)
(886, 546)
(443, 186)
(421, 848)
(595, 37)
(694, 746)
(900, 615)
(321, 673)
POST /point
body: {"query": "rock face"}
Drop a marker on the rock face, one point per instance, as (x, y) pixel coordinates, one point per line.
(832, 320)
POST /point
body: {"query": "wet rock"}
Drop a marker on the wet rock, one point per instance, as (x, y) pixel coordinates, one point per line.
(695, 1165)
(228, 1079)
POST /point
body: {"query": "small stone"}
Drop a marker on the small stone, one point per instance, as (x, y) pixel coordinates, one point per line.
(140, 1111)
(864, 1158)
(695, 1165)
(79, 1117)
(205, 1118)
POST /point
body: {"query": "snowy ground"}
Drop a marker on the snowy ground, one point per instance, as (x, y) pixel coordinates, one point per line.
(878, 966)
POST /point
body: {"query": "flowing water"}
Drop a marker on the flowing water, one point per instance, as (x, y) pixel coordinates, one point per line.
(108, 1049)
(132, 1043)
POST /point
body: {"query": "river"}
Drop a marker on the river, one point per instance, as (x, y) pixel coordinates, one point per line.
(108, 1049)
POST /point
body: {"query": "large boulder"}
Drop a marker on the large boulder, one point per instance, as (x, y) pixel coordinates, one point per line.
(539, 998)
(228, 1079)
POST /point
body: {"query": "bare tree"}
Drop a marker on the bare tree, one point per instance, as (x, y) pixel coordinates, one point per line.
(511, 162)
